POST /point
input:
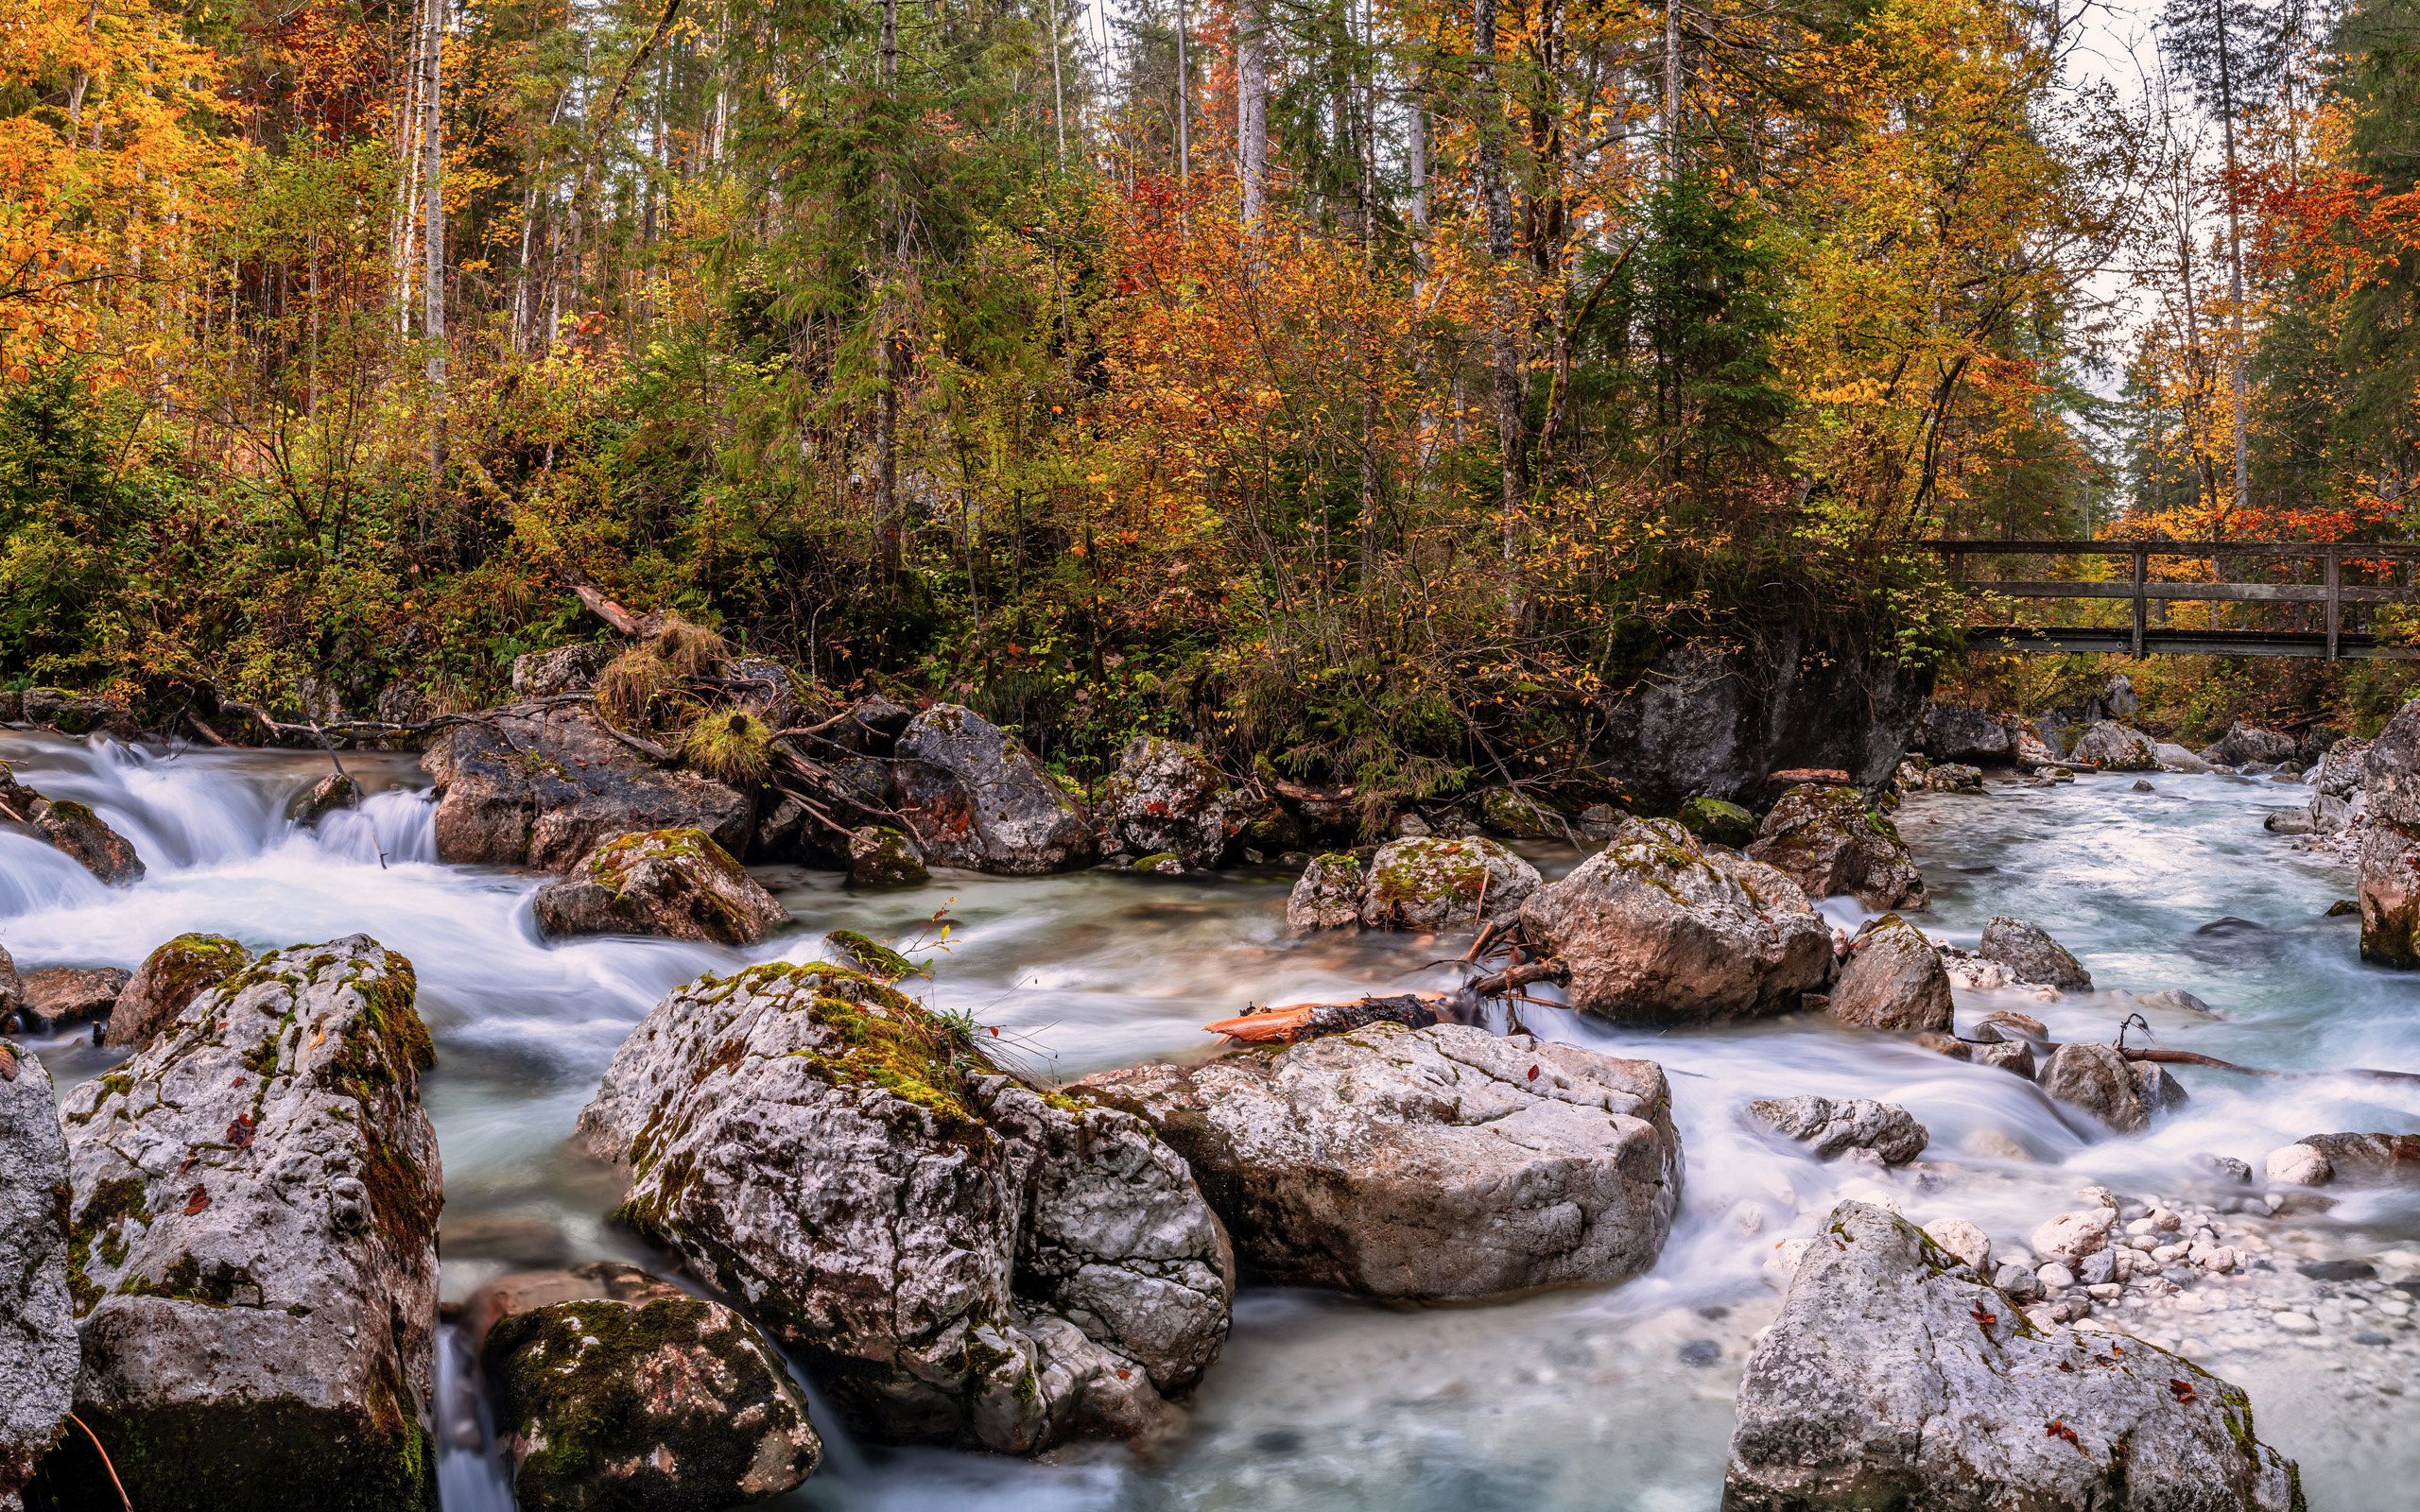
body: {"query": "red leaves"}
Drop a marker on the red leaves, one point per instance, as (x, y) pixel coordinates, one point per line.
(2060, 1429)
(2184, 1389)
(199, 1200)
(995, 1030)
(1124, 1374)
(239, 1131)
(2069, 1368)
(7, 1064)
(1533, 1072)
(1986, 1319)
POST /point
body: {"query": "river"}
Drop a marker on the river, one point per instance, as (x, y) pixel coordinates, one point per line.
(1609, 1401)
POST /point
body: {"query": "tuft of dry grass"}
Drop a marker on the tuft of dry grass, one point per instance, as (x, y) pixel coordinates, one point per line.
(729, 744)
(628, 688)
(689, 650)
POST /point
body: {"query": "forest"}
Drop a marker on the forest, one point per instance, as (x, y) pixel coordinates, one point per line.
(1367, 391)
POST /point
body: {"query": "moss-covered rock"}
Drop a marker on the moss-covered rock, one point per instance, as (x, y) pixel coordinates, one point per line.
(171, 977)
(75, 831)
(1508, 811)
(1328, 893)
(880, 856)
(672, 1403)
(1432, 883)
(675, 883)
(1167, 798)
(1895, 979)
(1828, 842)
(869, 956)
(1724, 823)
(963, 1259)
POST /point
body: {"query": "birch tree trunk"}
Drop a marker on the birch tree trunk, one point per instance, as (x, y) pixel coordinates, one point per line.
(433, 241)
(1251, 111)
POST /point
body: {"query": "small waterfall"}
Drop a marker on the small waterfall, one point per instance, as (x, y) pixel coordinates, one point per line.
(470, 1474)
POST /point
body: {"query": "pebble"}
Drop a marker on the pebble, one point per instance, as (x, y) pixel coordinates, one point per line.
(2295, 1322)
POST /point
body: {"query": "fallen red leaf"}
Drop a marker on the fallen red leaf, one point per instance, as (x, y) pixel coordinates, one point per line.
(2184, 1389)
(1533, 1072)
(1987, 1319)
(2060, 1429)
(200, 1200)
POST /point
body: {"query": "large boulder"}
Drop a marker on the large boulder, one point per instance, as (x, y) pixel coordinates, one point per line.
(961, 1259)
(1828, 842)
(1432, 884)
(977, 798)
(673, 884)
(74, 829)
(1657, 928)
(565, 669)
(1437, 1165)
(2340, 771)
(1167, 798)
(1328, 893)
(1714, 717)
(2031, 956)
(2098, 1080)
(171, 977)
(2390, 852)
(253, 1245)
(72, 994)
(1896, 1378)
(2115, 747)
(1954, 732)
(1860, 1126)
(544, 789)
(648, 1398)
(2175, 758)
(2245, 743)
(1895, 979)
(38, 1351)
(12, 991)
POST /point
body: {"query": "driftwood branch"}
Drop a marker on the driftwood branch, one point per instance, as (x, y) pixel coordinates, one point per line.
(642, 625)
(1553, 968)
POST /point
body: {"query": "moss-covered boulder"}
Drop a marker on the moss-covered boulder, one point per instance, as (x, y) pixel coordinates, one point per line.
(865, 953)
(170, 978)
(659, 1401)
(960, 1258)
(880, 856)
(1167, 798)
(38, 1348)
(673, 884)
(1508, 811)
(1657, 928)
(74, 829)
(330, 793)
(980, 800)
(1432, 884)
(1829, 843)
(565, 669)
(1328, 893)
(252, 1248)
(1895, 979)
(1724, 823)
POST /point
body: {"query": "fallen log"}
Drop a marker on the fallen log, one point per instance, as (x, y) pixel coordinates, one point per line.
(1297, 1022)
(1553, 968)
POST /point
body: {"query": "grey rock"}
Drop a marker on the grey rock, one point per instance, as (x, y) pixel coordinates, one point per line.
(254, 1199)
(2247, 745)
(670, 884)
(1953, 732)
(2142, 787)
(1894, 1378)
(1165, 796)
(1656, 927)
(71, 994)
(2342, 769)
(1829, 843)
(1831, 1129)
(1430, 884)
(38, 1352)
(2158, 1092)
(881, 857)
(74, 831)
(811, 1141)
(565, 669)
(2013, 1056)
(1508, 811)
(977, 798)
(399, 703)
(2031, 956)
(12, 991)
(2389, 866)
(2175, 758)
(1328, 893)
(170, 978)
(2329, 815)
(2288, 822)
(2098, 1080)
(543, 791)
(1437, 1165)
(1894, 980)
(2115, 747)
(2098, 1268)
(2018, 1281)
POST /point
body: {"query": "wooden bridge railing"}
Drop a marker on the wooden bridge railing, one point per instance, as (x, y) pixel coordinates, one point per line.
(2142, 589)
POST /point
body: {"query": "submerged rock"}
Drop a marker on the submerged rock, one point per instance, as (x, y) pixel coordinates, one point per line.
(961, 1259)
(72, 994)
(74, 829)
(332, 792)
(881, 857)
(2115, 747)
(977, 798)
(1895, 979)
(1328, 893)
(1893, 1377)
(543, 791)
(2031, 956)
(1165, 796)
(1429, 883)
(2317, 1159)
(38, 1354)
(253, 1245)
(170, 978)
(658, 1399)
(1655, 927)
(1828, 842)
(672, 884)
(2098, 1080)
(1829, 1130)
(1437, 1165)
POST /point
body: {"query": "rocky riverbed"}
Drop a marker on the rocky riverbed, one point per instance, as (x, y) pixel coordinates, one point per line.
(2182, 907)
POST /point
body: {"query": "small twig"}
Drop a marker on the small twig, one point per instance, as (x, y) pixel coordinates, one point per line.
(1544, 1003)
(127, 1501)
(1555, 968)
(1478, 946)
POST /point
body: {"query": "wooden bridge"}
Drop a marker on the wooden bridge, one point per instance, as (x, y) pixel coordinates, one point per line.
(2143, 637)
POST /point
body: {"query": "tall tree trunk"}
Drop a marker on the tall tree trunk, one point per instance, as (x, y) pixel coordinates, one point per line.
(1672, 86)
(1058, 92)
(886, 424)
(433, 239)
(1503, 342)
(1184, 102)
(2234, 257)
(1251, 109)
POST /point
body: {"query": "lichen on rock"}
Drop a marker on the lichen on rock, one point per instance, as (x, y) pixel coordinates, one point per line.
(1829, 842)
(170, 978)
(675, 883)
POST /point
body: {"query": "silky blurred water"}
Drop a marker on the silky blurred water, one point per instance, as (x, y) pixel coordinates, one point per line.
(1616, 1399)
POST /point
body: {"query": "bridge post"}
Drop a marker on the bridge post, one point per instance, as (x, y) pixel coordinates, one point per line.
(2335, 600)
(2142, 558)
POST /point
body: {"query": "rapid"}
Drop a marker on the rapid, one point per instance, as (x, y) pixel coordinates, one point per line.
(1616, 1399)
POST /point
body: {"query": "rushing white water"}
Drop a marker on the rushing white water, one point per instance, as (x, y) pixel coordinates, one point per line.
(1611, 1398)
